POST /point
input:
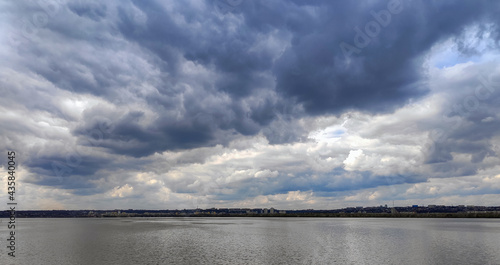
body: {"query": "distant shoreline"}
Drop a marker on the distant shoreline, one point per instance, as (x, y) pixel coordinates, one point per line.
(312, 215)
(415, 211)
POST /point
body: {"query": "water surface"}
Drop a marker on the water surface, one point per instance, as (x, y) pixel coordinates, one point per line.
(254, 241)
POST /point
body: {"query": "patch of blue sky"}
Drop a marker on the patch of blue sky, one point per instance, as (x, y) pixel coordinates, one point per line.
(450, 60)
(330, 133)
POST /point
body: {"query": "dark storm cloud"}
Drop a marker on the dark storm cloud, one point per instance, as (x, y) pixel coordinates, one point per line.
(130, 138)
(72, 171)
(387, 71)
(310, 70)
(91, 10)
(313, 69)
(203, 38)
(471, 125)
(67, 164)
(474, 140)
(338, 180)
(178, 76)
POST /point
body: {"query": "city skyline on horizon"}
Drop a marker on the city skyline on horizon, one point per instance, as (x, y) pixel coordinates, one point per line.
(269, 207)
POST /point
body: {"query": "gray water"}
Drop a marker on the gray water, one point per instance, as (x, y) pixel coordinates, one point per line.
(253, 241)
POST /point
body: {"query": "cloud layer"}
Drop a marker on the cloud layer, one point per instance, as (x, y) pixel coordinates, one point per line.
(291, 104)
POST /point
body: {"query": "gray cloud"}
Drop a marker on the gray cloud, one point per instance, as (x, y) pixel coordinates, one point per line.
(168, 85)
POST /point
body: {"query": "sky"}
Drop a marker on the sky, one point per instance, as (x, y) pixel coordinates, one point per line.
(237, 103)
